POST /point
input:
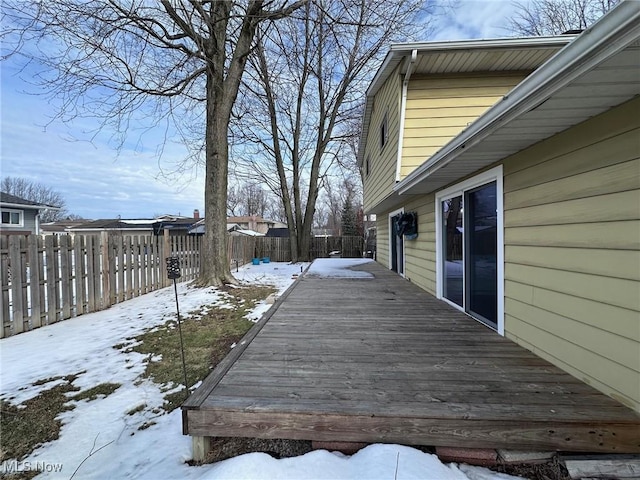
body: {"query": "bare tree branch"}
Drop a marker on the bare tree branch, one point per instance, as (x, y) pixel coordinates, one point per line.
(140, 64)
(300, 107)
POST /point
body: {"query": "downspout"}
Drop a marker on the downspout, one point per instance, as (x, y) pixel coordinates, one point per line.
(403, 106)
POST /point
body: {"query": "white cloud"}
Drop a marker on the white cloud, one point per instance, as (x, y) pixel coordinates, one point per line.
(96, 180)
(475, 19)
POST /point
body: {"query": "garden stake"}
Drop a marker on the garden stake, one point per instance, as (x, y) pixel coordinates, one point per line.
(173, 273)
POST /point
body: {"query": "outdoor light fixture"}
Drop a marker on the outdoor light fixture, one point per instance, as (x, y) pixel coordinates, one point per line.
(173, 268)
(173, 273)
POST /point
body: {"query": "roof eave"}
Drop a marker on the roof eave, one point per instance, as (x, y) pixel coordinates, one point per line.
(28, 207)
(611, 34)
(398, 51)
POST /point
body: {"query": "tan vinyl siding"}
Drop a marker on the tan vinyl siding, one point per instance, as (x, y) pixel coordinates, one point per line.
(572, 251)
(420, 254)
(378, 184)
(440, 107)
(382, 239)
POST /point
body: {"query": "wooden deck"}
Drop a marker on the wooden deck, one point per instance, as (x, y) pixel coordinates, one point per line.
(380, 360)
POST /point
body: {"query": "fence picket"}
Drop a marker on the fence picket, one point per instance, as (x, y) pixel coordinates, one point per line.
(34, 280)
(16, 283)
(5, 324)
(93, 275)
(65, 276)
(78, 272)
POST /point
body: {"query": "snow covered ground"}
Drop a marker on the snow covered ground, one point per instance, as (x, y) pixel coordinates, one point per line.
(338, 268)
(106, 428)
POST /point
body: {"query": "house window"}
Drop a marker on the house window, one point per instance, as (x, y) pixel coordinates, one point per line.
(12, 217)
(384, 131)
(367, 165)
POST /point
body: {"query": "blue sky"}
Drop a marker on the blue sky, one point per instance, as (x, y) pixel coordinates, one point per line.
(98, 181)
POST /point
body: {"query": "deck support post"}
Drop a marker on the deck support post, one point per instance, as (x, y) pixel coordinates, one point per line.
(200, 447)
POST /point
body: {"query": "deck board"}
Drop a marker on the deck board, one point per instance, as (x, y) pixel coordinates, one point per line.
(379, 360)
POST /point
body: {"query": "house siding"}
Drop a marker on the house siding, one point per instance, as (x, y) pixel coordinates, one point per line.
(420, 254)
(572, 251)
(379, 183)
(382, 239)
(440, 107)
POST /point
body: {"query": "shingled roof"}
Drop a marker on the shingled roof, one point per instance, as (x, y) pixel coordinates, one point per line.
(12, 200)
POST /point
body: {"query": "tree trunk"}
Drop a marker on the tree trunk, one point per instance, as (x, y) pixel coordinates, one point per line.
(214, 264)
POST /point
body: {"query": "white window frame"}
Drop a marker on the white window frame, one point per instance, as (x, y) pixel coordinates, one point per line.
(493, 175)
(404, 256)
(11, 210)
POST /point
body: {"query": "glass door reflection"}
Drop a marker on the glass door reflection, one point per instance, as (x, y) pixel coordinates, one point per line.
(453, 268)
(481, 247)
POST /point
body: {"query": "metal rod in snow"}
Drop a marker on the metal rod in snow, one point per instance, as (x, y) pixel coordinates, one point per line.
(173, 272)
(184, 364)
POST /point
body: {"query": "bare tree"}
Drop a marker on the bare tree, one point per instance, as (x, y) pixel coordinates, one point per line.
(302, 102)
(335, 195)
(248, 199)
(175, 61)
(39, 193)
(555, 17)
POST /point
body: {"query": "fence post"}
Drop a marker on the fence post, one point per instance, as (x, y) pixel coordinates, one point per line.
(166, 252)
(4, 282)
(106, 270)
(16, 283)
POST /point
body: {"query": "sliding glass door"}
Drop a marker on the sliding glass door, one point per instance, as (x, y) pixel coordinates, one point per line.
(481, 263)
(469, 248)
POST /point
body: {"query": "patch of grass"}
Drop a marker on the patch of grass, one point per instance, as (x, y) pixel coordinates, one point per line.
(146, 425)
(223, 448)
(26, 426)
(208, 337)
(104, 389)
(137, 409)
(554, 469)
(34, 422)
(26, 475)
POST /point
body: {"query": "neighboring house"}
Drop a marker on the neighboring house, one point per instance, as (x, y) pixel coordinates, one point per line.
(60, 227)
(20, 216)
(255, 223)
(177, 225)
(278, 232)
(232, 228)
(521, 158)
(247, 225)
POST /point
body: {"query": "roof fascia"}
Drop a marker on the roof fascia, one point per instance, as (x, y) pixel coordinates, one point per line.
(28, 207)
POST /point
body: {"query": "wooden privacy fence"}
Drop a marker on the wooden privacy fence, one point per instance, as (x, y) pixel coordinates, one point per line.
(48, 279)
(244, 248)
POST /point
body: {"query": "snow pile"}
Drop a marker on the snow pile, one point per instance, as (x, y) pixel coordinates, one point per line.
(103, 438)
(338, 268)
(382, 462)
(277, 274)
